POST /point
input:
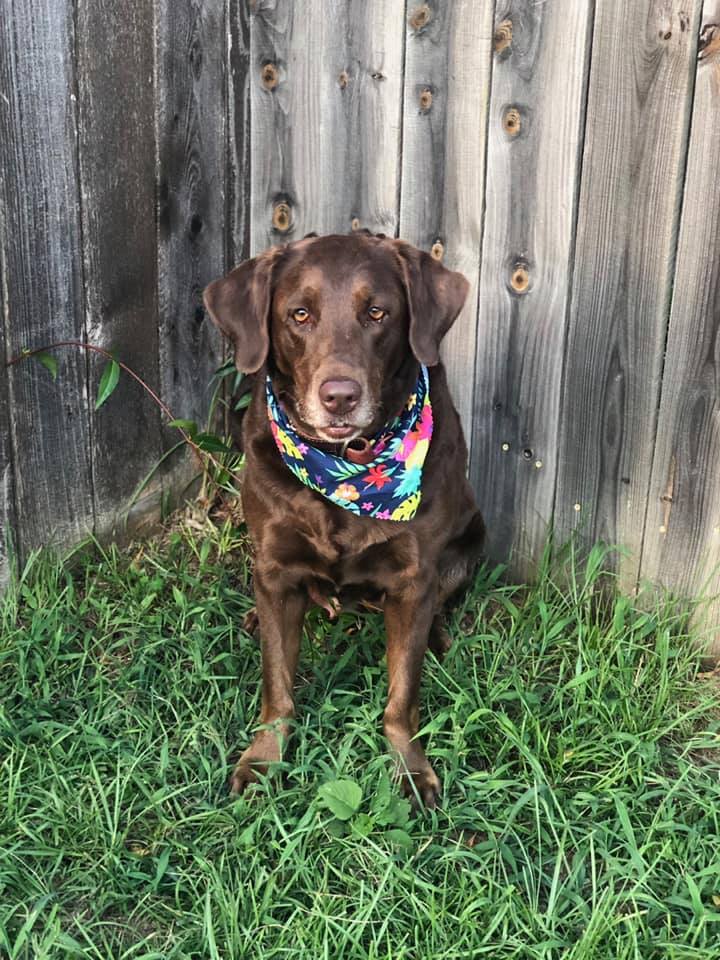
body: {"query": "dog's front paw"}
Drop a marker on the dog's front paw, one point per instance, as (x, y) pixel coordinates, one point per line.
(423, 784)
(256, 760)
(416, 777)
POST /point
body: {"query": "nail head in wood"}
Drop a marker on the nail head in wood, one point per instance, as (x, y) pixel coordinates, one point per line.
(437, 250)
(426, 99)
(577, 508)
(343, 80)
(420, 17)
(282, 217)
(505, 447)
(503, 36)
(512, 122)
(269, 76)
(355, 223)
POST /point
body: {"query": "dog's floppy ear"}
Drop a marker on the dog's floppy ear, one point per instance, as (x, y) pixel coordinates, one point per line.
(239, 304)
(435, 296)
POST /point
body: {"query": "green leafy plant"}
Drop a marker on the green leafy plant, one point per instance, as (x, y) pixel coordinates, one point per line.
(219, 464)
(388, 813)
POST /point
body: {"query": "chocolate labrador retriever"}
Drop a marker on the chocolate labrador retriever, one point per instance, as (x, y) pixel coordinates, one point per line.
(355, 481)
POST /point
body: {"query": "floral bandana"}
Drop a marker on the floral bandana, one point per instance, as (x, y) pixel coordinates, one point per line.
(388, 487)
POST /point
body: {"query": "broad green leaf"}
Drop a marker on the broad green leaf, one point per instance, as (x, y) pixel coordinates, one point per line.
(189, 426)
(50, 363)
(211, 443)
(362, 825)
(400, 837)
(341, 797)
(243, 402)
(108, 382)
(396, 812)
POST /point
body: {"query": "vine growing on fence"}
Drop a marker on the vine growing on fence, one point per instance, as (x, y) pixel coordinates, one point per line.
(219, 463)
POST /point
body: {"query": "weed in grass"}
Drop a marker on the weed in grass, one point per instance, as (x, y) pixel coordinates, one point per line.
(576, 744)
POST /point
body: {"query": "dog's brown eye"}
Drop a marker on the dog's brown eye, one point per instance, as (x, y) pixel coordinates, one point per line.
(301, 315)
(376, 313)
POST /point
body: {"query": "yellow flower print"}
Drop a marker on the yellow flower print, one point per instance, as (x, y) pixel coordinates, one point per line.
(346, 491)
(407, 509)
(287, 444)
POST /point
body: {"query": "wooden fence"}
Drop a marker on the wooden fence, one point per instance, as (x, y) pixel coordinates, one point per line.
(564, 156)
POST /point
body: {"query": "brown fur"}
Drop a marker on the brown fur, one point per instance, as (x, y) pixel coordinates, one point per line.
(306, 547)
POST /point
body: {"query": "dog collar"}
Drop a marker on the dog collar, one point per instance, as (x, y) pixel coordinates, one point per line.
(388, 486)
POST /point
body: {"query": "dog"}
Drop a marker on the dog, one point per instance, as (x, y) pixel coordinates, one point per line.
(355, 475)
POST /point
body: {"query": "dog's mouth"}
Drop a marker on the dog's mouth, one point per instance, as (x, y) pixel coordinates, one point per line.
(336, 431)
(340, 431)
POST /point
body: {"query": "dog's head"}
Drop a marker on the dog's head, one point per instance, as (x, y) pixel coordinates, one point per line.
(342, 322)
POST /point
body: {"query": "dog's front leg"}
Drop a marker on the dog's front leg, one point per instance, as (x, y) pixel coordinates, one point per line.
(408, 616)
(281, 611)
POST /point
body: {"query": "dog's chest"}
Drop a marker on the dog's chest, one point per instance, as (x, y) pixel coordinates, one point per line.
(349, 551)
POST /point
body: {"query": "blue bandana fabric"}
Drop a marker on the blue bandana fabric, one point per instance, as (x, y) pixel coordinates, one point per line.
(389, 486)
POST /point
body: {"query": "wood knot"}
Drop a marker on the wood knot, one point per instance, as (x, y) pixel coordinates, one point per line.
(437, 250)
(512, 121)
(343, 80)
(503, 36)
(269, 76)
(520, 278)
(282, 217)
(420, 17)
(426, 99)
(709, 41)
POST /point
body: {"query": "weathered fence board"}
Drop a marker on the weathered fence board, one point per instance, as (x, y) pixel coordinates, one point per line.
(40, 241)
(635, 144)
(192, 172)
(534, 153)
(447, 87)
(117, 177)
(326, 103)
(239, 76)
(682, 539)
(7, 482)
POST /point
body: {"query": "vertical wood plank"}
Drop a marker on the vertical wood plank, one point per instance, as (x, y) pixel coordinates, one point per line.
(682, 537)
(192, 167)
(117, 173)
(447, 81)
(635, 146)
(540, 72)
(40, 239)
(8, 529)
(239, 127)
(326, 105)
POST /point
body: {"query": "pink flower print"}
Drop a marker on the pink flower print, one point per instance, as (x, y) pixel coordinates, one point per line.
(383, 515)
(425, 424)
(367, 506)
(407, 446)
(303, 448)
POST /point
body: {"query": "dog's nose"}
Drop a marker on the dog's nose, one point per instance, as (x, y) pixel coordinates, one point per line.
(339, 396)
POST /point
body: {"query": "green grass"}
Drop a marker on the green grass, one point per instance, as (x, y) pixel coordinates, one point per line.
(578, 749)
